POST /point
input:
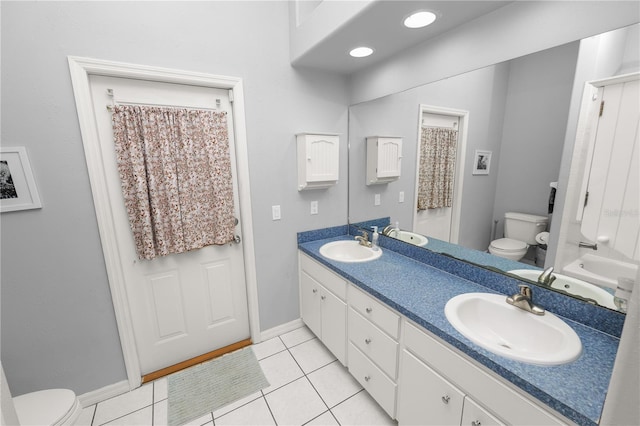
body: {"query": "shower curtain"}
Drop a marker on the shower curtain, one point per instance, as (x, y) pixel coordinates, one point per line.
(175, 171)
(438, 147)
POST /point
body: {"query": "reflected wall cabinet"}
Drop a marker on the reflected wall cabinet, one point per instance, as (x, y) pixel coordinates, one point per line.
(318, 160)
(384, 157)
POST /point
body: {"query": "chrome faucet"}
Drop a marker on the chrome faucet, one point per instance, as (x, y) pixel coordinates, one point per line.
(363, 239)
(547, 277)
(592, 246)
(523, 300)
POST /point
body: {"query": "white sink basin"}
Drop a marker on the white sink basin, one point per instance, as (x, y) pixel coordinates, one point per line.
(349, 251)
(573, 286)
(410, 237)
(489, 321)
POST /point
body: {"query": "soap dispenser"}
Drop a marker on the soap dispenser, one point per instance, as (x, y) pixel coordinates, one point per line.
(374, 238)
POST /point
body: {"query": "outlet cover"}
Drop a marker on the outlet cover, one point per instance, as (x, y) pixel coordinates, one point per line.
(314, 207)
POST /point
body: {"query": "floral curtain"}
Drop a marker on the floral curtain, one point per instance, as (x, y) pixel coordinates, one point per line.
(175, 170)
(438, 147)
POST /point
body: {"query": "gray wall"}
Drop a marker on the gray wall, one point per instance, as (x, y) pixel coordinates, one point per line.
(535, 122)
(58, 325)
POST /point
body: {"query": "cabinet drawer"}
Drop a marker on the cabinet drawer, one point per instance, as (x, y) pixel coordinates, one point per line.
(486, 389)
(374, 311)
(379, 386)
(375, 344)
(333, 282)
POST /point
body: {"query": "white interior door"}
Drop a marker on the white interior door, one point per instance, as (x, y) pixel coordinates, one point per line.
(610, 215)
(436, 223)
(181, 305)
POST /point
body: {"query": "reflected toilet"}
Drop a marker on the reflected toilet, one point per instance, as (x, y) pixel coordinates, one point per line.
(520, 230)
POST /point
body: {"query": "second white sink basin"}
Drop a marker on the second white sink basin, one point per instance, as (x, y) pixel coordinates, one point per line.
(349, 251)
(572, 286)
(489, 321)
(410, 237)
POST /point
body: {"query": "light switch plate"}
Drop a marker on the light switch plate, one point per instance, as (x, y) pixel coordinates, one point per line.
(275, 212)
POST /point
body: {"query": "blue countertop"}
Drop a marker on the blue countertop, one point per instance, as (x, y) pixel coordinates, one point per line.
(419, 291)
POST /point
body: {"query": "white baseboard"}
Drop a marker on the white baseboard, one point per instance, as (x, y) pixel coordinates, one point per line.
(102, 394)
(281, 329)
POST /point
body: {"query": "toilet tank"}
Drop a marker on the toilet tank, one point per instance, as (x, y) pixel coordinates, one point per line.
(524, 226)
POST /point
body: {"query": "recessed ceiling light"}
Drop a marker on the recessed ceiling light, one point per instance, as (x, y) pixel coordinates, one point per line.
(419, 19)
(361, 52)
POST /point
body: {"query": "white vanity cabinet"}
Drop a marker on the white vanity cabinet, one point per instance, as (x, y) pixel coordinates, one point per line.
(426, 398)
(322, 305)
(413, 375)
(431, 373)
(373, 333)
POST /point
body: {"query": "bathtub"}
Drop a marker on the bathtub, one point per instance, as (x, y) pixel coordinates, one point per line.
(600, 270)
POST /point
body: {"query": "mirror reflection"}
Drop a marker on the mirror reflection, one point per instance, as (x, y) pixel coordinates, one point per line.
(481, 155)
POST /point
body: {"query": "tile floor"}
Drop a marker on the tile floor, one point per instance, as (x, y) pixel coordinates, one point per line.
(308, 387)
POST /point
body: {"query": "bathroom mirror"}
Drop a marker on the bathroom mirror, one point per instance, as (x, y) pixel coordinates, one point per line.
(515, 113)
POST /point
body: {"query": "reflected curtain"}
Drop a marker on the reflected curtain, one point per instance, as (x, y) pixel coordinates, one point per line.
(438, 147)
(175, 171)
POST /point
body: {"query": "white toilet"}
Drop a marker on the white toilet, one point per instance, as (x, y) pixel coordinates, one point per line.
(48, 407)
(520, 230)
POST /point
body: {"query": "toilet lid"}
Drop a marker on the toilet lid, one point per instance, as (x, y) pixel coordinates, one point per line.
(507, 244)
(46, 407)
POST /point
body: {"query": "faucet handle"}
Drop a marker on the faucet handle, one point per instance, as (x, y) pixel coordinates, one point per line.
(525, 290)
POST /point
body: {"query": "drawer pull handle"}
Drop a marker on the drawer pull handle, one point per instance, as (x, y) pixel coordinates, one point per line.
(367, 378)
(368, 310)
(367, 341)
(315, 290)
(476, 423)
(323, 297)
(446, 399)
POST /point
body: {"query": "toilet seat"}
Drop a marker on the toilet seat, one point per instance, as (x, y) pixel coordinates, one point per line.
(508, 245)
(508, 248)
(47, 407)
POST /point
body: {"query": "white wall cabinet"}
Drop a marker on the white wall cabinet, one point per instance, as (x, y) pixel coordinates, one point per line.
(384, 159)
(318, 160)
(322, 305)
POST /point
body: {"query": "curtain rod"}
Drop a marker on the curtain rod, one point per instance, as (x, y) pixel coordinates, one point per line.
(114, 103)
(111, 106)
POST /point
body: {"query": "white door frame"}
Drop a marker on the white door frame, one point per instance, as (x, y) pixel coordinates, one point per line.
(456, 212)
(81, 69)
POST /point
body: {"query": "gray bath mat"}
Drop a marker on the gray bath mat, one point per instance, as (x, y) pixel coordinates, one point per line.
(206, 387)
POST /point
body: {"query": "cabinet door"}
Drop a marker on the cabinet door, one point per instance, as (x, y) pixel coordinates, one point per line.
(426, 398)
(322, 158)
(310, 303)
(475, 415)
(389, 157)
(334, 325)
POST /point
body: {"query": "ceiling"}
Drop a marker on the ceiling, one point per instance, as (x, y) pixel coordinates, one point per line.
(380, 27)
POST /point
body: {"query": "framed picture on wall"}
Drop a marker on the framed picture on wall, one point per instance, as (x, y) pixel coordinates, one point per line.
(17, 187)
(482, 162)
